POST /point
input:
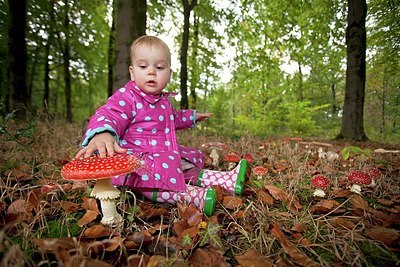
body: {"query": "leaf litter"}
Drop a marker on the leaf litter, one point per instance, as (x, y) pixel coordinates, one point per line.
(275, 222)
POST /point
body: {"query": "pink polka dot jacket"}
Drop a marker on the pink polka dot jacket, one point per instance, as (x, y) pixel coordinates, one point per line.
(146, 125)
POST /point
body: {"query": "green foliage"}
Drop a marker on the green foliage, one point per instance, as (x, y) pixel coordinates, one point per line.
(355, 152)
(57, 229)
(210, 236)
(25, 132)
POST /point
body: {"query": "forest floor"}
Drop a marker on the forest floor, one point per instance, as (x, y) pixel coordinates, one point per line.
(48, 221)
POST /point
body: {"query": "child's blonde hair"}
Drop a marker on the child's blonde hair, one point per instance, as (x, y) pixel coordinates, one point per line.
(150, 41)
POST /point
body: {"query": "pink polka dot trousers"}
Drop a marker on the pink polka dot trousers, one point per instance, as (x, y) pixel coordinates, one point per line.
(203, 196)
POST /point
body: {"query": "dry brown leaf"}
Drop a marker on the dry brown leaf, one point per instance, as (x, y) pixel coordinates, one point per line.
(302, 240)
(69, 206)
(156, 261)
(90, 204)
(265, 197)
(190, 213)
(232, 202)
(89, 216)
(277, 193)
(343, 223)
(253, 258)
(298, 227)
(96, 231)
(138, 260)
(385, 202)
(388, 236)
(324, 206)
(18, 206)
(200, 258)
(297, 255)
(114, 243)
(358, 202)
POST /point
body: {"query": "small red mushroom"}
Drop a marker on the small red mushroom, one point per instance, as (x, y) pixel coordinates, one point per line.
(374, 173)
(320, 182)
(248, 157)
(358, 178)
(101, 170)
(259, 171)
(233, 159)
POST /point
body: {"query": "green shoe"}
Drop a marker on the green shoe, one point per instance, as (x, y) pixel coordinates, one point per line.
(240, 182)
(210, 201)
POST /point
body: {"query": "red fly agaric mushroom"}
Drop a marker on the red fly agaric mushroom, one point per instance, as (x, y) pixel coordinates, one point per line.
(248, 157)
(101, 170)
(320, 182)
(259, 171)
(358, 178)
(374, 173)
(233, 159)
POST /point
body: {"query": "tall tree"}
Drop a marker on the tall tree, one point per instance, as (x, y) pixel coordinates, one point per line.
(187, 9)
(66, 59)
(18, 56)
(356, 41)
(130, 23)
(111, 46)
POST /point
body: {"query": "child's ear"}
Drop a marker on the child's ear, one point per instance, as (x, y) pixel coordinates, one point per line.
(131, 73)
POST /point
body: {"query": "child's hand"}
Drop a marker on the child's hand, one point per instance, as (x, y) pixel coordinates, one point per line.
(104, 143)
(203, 116)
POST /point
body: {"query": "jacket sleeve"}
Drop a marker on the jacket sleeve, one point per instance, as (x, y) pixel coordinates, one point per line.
(114, 116)
(185, 118)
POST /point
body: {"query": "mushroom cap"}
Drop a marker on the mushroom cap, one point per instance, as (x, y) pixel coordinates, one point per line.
(248, 157)
(319, 181)
(232, 157)
(99, 168)
(259, 170)
(358, 177)
(373, 172)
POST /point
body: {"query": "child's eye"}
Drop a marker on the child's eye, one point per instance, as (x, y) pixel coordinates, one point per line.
(160, 68)
(142, 66)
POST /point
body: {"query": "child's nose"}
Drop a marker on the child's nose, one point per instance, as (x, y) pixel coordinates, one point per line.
(152, 71)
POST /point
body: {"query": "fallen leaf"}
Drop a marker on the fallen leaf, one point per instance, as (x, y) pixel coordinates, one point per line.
(114, 243)
(200, 258)
(298, 227)
(358, 202)
(18, 206)
(265, 197)
(138, 260)
(324, 206)
(388, 236)
(343, 223)
(297, 255)
(89, 216)
(232, 202)
(253, 258)
(302, 240)
(96, 231)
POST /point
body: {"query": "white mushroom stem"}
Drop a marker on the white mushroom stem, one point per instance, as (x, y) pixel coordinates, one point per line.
(373, 183)
(356, 188)
(215, 157)
(319, 193)
(104, 191)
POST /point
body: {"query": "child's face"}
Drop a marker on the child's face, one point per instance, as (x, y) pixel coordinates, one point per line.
(150, 68)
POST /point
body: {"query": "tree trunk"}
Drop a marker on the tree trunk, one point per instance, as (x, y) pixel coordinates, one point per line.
(187, 8)
(111, 47)
(130, 23)
(353, 109)
(67, 74)
(195, 68)
(18, 57)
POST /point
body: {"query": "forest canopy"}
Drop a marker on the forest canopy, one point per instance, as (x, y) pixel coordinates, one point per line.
(265, 68)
